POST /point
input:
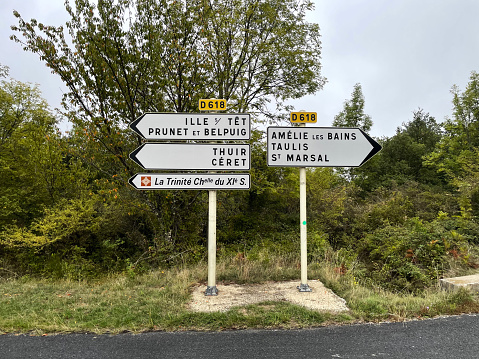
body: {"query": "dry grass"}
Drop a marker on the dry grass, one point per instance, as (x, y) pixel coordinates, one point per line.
(158, 300)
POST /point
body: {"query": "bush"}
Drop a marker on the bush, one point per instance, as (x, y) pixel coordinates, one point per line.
(414, 256)
(76, 239)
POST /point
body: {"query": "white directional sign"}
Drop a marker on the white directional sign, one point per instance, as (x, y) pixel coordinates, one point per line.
(193, 156)
(191, 181)
(319, 147)
(193, 126)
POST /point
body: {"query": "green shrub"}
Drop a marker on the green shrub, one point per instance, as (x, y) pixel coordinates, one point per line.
(414, 256)
(77, 239)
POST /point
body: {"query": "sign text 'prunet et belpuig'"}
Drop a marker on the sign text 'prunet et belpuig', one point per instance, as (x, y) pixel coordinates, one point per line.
(190, 126)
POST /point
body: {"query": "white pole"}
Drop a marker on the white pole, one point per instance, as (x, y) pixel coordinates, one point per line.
(211, 288)
(304, 287)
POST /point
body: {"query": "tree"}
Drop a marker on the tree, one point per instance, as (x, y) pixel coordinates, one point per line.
(353, 114)
(31, 160)
(461, 133)
(132, 56)
(127, 57)
(423, 129)
(402, 157)
(456, 155)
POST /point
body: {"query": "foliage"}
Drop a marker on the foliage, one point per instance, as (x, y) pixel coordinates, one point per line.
(158, 300)
(400, 222)
(353, 114)
(88, 234)
(455, 156)
(461, 135)
(32, 166)
(401, 159)
(120, 59)
(414, 256)
(129, 57)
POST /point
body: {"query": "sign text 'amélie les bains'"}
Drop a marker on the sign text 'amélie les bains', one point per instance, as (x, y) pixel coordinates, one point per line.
(191, 126)
(191, 181)
(193, 156)
(319, 147)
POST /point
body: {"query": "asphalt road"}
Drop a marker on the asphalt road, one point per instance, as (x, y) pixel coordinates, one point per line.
(449, 337)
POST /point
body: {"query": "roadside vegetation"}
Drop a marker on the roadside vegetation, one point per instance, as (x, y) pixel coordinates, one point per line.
(158, 300)
(81, 250)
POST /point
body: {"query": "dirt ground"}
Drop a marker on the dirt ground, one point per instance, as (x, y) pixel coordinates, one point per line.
(232, 295)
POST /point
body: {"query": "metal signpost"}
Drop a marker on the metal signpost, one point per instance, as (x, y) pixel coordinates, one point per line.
(194, 156)
(315, 147)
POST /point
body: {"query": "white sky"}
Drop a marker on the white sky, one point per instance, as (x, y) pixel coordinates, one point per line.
(405, 53)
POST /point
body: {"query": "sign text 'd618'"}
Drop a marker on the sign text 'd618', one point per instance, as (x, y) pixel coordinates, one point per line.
(212, 104)
(303, 117)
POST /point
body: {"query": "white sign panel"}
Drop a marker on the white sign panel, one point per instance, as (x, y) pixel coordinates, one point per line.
(193, 156)
(193, 126)
(319, 147)
(191, 181)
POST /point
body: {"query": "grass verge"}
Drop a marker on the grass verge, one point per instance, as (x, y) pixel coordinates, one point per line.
(158, 301)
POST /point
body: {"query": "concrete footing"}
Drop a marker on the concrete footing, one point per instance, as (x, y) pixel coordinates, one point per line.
(469, 282)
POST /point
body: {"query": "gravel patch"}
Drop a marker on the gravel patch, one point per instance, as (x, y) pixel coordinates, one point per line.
(232, 295)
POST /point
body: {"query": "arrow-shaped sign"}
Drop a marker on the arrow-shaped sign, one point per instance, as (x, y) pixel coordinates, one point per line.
(319, 147)
(193, 126)
(191, 181)
(193, 156)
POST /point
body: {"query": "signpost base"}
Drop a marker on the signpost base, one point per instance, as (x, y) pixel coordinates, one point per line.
(211, 288)
(304, 288)
(211, 291)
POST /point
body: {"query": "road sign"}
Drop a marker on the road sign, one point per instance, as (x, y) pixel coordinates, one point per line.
(212, 104)
(193, 126)
(191, 181)
(303, 117)
(193, 156)
(319, 147)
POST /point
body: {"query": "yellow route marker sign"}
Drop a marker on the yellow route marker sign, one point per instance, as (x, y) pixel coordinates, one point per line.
(212, 104)
(304, 117)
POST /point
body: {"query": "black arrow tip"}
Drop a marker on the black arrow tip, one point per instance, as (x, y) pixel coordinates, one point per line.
(133, 125)
(134, 158)
(130, 181)
(376, 147)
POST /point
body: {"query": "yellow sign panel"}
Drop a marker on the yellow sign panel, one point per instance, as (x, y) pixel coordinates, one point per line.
(212, 104)
(304, 117)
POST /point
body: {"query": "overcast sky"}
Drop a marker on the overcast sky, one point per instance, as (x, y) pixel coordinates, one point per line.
(406, 54)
